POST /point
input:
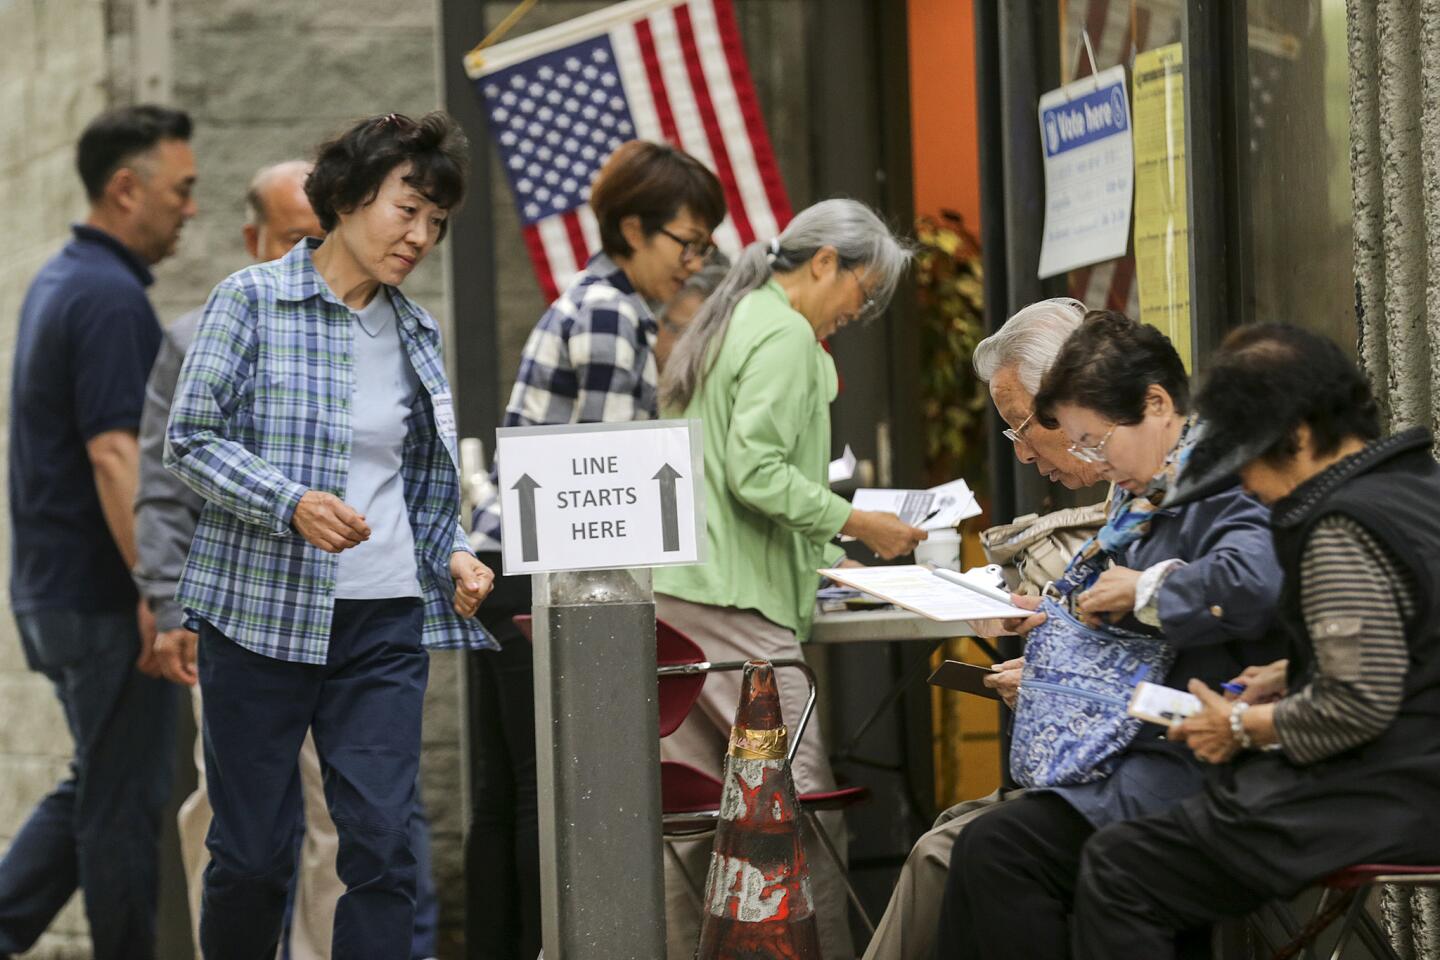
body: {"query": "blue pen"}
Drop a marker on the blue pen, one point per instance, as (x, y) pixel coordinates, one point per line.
(1235, 688)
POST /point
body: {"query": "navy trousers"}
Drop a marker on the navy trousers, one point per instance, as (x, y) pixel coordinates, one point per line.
(98, 830)
(364, 705)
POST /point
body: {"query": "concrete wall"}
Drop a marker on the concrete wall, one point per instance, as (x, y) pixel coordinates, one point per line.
(52, 80)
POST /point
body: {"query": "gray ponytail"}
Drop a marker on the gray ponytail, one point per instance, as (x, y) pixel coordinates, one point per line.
(859, 237)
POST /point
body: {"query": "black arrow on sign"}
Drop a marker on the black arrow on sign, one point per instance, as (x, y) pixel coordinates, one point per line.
(529, 542)
(669, 513)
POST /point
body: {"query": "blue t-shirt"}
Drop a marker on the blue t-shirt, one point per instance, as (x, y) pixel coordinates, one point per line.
(88, 336)
(385, 389)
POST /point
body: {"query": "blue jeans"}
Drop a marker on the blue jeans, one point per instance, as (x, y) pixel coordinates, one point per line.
(364, 706)
(98, 829)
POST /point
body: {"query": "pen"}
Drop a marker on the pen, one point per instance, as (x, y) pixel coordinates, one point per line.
(1235, 688)
(929, 516)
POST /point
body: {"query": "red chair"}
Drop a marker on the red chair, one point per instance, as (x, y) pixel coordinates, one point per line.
(1344, 894)
(690, 797)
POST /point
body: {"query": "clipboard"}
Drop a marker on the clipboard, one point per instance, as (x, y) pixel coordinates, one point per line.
(964, 677)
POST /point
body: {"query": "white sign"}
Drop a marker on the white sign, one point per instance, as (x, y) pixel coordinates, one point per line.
(1089, 172)
(599, 495)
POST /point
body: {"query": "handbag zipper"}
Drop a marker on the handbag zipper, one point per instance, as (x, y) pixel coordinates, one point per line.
(1074, 692)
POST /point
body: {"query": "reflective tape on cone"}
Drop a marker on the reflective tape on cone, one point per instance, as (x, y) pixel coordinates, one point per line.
(758, 902)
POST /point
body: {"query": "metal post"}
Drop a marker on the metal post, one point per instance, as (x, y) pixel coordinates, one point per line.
(598, 766)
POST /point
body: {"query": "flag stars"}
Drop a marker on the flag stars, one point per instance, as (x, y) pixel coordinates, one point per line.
(508, 98)
(626, 127)
(491, 91)
(545, 73)
(524, 186)
(600, 55)
(508, 138)
(536, 89)
(590, 73)
(527, 105)
(553, 138)
(563, 81)
(499, 114)
(532, 210)
(545, 153)
(518, 82)
(608, 80)
(542, 194)
(552, 178)
(582, 88)
(554, 97)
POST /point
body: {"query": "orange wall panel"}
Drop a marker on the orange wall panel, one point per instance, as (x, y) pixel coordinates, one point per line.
(942, 103)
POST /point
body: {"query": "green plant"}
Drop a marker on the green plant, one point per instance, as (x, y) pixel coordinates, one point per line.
(950, 295)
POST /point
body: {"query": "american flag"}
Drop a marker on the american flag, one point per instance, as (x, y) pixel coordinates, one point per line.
(560, 101)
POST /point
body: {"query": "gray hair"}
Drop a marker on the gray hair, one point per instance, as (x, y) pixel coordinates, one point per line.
(852, 229)
(702, 283)
(1029, 341)
(260, 184)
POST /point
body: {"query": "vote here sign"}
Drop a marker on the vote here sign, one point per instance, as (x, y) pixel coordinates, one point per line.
(1089, 172)
(599, 495)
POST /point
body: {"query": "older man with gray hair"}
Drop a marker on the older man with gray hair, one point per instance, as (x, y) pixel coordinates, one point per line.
(1033, 549)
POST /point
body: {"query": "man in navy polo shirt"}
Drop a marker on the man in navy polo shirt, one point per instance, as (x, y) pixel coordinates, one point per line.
(87, 338)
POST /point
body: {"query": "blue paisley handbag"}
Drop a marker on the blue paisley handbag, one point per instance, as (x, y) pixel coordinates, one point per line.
(1070, 720)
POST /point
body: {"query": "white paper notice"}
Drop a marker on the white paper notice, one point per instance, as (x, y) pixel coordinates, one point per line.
(843, 468)
(934, 509)
(1089, 172)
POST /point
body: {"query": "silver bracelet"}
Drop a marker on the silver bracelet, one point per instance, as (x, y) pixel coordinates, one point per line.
(1237, 725)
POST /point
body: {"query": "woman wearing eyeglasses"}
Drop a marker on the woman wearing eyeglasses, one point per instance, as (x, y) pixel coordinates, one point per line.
(753, 368)
(1203, 576)
(590, 359)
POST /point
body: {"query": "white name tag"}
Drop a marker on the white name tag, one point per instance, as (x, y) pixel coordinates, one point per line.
(444, 415)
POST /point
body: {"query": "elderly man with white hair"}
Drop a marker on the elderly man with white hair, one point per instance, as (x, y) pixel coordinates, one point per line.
(1013, 361)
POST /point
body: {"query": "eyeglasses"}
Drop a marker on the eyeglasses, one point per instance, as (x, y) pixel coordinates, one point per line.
(868, 308)
(1018, 434)
(691, 249)
(1092, 452)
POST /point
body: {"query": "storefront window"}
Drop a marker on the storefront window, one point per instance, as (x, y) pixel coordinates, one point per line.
(1298, 167)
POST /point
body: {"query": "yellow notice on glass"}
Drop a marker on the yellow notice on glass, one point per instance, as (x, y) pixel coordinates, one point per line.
(1162, 224)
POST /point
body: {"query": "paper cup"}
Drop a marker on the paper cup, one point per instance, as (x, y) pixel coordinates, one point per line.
(942, 549)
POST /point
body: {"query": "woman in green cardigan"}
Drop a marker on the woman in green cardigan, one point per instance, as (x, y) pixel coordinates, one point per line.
(752, 367)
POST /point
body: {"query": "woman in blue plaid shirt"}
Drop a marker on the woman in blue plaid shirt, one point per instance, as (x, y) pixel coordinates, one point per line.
(329, 552)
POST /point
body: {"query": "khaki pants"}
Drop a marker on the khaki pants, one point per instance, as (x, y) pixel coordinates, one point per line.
(725, 633)
(316, 885)
(907, 931)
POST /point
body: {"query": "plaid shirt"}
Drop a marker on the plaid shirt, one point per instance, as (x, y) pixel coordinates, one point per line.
(590, 359)
(261, 415)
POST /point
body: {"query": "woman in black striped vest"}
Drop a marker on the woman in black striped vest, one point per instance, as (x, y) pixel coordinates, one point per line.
(1334, 754)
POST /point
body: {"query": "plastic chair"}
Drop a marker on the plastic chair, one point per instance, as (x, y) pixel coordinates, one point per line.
(1343, 896)
(690, 797)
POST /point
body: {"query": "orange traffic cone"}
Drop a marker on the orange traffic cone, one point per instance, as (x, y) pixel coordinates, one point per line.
(757, 894)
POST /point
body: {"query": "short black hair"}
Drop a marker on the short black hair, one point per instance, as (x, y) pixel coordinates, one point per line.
(1107, 365)
(1266, 380)
(653, 181)
(350, 169)
(117, 136)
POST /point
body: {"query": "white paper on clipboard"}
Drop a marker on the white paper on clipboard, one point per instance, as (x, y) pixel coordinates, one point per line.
(919, 590)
